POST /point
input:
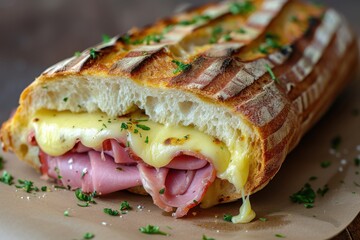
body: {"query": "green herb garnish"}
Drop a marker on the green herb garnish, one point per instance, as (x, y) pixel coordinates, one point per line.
(305, 196)
(124, 205)
(279, 235)
(263, 219)
(335, 143)
(242, 7)
(272, 75)
(227, 37)
(162, 191)
(323, 191)
(66, 213)
(1, 163)
(27, 185)
(180, 66)
(93, 53)
(88, 235)
(105, 38)
(194, 20)
(150, 229)
(271, 42)
(111, 212)
(44, 188)
(207, 238)
(325, 164)
(357, 161)
(77, 54)
(227, 217)
(87, 198)
(65, 99)
(7, 178)
(57, 170)
(215, 34)
(312, 178)
(147, 139)
(124, 126)
(143, 127)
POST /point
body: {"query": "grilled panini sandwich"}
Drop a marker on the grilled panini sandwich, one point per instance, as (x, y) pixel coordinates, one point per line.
(200, 108)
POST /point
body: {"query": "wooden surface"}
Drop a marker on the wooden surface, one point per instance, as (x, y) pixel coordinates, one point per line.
(38, 33)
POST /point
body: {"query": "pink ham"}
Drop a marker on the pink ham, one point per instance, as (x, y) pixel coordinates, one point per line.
(179, 185)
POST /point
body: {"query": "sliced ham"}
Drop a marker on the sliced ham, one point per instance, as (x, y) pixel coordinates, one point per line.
(179, 185)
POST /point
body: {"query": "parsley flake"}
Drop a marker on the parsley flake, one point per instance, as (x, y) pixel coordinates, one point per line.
(65, 99)
(207, 238)
(271, 42)
(194, 20)
(162, 191)
(1, 163)
(147, 139)
(272, 75)
(44, 188)
(77, 54)
(325, 164)
(335, 143)
(180, 66)
(150, 229)
(105, 38)
(263, 219)
(7, 178)
(124, 126)
(280, 235)
(66, 213)
(124, 205)
(323, 191)
(88, 235)
(111, 212)
(126, 39)
(143, 127)
(242, 7)
(93, 53)
(227, 217)
(87, 198)
(357, 161)
(306, 195)
(215, 34)
(27, 186)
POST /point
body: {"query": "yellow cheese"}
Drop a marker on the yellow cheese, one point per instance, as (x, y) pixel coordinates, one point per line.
(156, 144)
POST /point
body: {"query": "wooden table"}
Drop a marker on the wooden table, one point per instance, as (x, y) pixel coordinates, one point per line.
(35, 34)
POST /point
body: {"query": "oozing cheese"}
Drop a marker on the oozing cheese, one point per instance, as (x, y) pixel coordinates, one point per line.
(156, 144)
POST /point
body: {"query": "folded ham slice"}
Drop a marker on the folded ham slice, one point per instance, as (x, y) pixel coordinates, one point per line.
(181, 184)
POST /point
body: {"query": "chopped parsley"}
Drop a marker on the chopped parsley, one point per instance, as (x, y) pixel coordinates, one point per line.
(27, 186)
(124, 126)
(88, 235)
(7, 178)
(215, 34)
(77, 54)
(105, 38)
(143, 127)
(241, 30)
(194, 20)
(242, 7)
(124, 205)
(227, 37)
(66, 213)
(151, 38)
(65, 99)
(1, 163)
(111, 212)
(162, 191)
(147, 139)
(180, 66)
(335, 143)
(207, 238)
(87, 198)
(57, 170)
(263, 219)
(227, 217)
(325, 164)
(305, 196)
(44, 188)
(150, 229)
(272, 75)
(271, 42)
(312, 178)
(93, 53)
(357, 161)
(279, 235)
(323, 191)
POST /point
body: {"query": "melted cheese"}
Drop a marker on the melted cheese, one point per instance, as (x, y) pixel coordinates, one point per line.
(156, 144)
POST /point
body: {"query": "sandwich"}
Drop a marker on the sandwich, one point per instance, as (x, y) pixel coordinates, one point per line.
(197, 109)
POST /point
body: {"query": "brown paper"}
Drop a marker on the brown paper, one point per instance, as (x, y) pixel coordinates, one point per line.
(41, 215)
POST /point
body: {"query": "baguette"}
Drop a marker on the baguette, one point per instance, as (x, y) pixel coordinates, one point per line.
(253, 75)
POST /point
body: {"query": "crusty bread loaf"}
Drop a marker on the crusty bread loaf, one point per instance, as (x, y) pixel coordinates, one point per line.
(265, 70)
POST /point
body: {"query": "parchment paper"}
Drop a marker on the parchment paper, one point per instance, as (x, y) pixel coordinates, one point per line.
(41, 215)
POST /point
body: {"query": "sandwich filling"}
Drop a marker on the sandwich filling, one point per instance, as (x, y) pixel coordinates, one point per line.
(174, 164)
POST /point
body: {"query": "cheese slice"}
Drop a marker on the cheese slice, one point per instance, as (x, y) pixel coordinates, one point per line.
(156, 144)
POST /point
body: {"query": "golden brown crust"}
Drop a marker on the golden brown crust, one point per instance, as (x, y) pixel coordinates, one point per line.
(232, 67)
